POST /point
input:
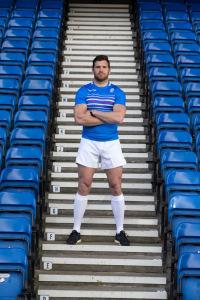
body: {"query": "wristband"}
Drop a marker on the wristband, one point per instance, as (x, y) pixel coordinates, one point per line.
(92, 114)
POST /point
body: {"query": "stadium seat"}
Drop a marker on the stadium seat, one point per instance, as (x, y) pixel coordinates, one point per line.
(23, 156)
(188, 275)
(21, 178)
(181, 181)
(40, 59)
(184, 49)
(14, 272)
(172, 120)
(162, 74)
(167, 104)
(28, 136)
(174, 140)
(36, 87)
(166, 88)
(20, 201)
(35, 102)
(40, 72)
(178, 159)
(34, 119)
(13, 59)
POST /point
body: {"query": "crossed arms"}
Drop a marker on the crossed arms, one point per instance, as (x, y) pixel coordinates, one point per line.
(83, 117)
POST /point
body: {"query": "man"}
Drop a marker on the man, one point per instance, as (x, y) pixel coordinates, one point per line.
(99, 107)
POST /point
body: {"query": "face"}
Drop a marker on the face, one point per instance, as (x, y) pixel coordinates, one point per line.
(101, 71)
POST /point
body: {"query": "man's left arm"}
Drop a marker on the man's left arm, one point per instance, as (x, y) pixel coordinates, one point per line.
(113, 117)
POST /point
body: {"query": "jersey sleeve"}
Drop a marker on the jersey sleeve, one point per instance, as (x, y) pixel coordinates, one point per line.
(81, 95)
(120, 97)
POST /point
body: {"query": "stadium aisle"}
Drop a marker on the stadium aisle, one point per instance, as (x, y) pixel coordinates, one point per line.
(97, 268)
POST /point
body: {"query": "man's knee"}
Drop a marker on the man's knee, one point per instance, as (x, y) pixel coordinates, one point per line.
(115, 188)
(84, 186)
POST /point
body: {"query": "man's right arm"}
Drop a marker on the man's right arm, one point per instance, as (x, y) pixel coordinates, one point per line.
(83, 117)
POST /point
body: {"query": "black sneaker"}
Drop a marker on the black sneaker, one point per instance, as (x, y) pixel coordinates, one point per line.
(74, 238)
(121, 238)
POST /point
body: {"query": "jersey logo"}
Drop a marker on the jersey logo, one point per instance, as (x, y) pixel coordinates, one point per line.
(112, 90)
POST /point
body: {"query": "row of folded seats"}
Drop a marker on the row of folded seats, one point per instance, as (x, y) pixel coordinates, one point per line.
(30, 35)
(169, 39)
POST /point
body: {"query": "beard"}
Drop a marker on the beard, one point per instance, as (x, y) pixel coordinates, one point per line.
(101, 78)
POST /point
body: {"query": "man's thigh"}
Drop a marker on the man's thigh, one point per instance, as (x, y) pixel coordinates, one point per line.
(114, 176)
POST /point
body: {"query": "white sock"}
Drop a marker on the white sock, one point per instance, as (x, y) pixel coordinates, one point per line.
(117, 203)
(80, 204)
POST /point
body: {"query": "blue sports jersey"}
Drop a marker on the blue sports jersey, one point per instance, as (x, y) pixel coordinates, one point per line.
(102, 99)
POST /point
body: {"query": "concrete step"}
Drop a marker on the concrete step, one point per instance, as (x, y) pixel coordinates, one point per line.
(99, 9)
(70, 41)
(87, 71)
(99, 27)
(140, 138)
(101, 176)
(59, 166)
(73, 5)
(86, 62)
(70, 52)
(99, 14)
(73, 77)
(78, 129)
(130, 157)
(101, 293)
(77, 277)
(64, 219)
(129, 84)
(94, 37)
(103, 235)
(59, 198)
(106, 248)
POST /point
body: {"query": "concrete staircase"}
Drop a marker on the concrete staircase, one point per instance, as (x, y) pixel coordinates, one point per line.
(98, 268)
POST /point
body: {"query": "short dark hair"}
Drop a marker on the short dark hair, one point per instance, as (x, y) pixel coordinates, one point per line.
(100, 58)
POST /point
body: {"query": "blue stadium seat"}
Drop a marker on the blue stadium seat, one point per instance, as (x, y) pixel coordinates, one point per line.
(178, 159)
(35, 102)
(147, 25)
(191, 89)
(181, 181)
(155, 36)
(11, 72)
(21, 201)
(159, 60)
(45, 46)
(24, 13)
(9, 86)
(184, 49)
(16, 233)
(8, 102)
(14, 269)
(168, 104)
(50, 13)
(145, 15)
(172, 120)
(176, 16)
(23, 156)
(32, 119)
(188, 275)
(40, 59)
(5, 119)
(187, 237)
(166, 88)
(3, 139)
(24, 178)
(18, 33)
(158, 48)
(48, 23)
(174, 140)
(43, 34)
(13, 59)
(16, 46)
(195, 123)
(182, 36)
(188, 60)
(190, 74)
(28, 136)
(40, 72)
(36, 87)
(193, 105)
(178, 25)
(21, 23)
(162, 74)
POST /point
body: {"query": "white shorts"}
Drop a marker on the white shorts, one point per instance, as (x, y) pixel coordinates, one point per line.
(104, 155)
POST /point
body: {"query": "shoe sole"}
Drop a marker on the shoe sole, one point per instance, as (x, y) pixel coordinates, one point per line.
(118, 243)
(78, 242)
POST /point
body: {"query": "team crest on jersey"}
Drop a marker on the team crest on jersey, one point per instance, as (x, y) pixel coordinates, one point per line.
(111, 90)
